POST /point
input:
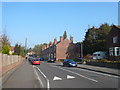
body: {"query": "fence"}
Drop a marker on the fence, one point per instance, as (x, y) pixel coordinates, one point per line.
(8, 62)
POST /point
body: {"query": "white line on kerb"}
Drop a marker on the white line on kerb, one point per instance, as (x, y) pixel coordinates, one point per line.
(38, 77)
(77, 74)
(48, 83)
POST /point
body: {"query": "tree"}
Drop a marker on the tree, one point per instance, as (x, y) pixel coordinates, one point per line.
(37, 49)
(22, 51)
(95, 39)
(19, 50)
(64, 35)
(0, 43)
(4, 38)
(4, 43)
(6, 49)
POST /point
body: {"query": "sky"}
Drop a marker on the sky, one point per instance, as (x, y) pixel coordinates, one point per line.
(41, 22)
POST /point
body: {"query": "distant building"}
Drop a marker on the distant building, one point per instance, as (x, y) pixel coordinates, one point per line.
(0, 44)
(11, 50)
(30, 53)
(113, 43)
(62, 49)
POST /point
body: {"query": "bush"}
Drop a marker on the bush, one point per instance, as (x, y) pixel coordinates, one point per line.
(6, 49)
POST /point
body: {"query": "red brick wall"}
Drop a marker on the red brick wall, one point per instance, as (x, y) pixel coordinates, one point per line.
(62, 48)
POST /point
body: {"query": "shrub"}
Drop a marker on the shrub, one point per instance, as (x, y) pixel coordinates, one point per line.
(6, 49)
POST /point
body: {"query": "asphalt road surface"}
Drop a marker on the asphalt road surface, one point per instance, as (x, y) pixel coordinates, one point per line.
(54, 75)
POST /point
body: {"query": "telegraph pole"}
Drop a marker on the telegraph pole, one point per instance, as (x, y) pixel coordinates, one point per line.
(81, 46)
(25, 45)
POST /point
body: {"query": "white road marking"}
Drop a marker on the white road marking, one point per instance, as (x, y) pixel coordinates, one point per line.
(76, 74)
(38, 77)
(70, 77)
(100, 73)
(57, 78)
(48, 83)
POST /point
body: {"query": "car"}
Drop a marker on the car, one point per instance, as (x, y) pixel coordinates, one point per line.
(30, 59)
(36, 61)
(69, 63)
(51, 60)
(41, 59)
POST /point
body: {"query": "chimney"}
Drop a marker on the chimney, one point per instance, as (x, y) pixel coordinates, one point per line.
(47, 45)
(55, 41)
(71, 38)
(43, 47)
(50, 44)
(61, 38)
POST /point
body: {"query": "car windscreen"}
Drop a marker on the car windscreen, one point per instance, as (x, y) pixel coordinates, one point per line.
(70, 60)
(36, 60)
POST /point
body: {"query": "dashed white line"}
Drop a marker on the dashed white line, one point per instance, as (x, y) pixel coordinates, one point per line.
(77, 74)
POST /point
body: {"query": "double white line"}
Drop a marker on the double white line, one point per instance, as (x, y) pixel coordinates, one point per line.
(48, 83)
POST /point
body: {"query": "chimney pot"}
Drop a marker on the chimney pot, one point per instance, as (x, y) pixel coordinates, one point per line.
(61, 38)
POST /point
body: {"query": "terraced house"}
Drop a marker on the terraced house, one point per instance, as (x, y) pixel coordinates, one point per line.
(62, 49)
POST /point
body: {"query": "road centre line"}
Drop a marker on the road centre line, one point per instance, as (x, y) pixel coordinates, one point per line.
(48, 83)
(99, 73)
(38, 77)
(76, 73)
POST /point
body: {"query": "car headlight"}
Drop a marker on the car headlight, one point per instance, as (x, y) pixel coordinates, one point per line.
(70, 63)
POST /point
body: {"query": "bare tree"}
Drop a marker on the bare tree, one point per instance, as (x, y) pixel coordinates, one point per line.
(4, 38)
(0, 43)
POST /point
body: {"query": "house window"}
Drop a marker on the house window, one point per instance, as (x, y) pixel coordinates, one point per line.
(114, 51)
(111, 51)
(54, 55)
(117, 51)
(115, 39)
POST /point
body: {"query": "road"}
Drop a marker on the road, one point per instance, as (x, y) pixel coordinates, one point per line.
(54, 75)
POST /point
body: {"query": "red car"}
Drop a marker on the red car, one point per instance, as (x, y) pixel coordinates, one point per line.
(36, 61)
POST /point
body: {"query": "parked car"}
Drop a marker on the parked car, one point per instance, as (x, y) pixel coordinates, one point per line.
(80, 60)
(69, 62)
(51, 60)
(30, 59)
(41, 59)
(36, 61)
(99, 55)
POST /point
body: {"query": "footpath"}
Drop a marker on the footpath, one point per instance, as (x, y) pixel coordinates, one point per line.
(100, 69)
(21, 77)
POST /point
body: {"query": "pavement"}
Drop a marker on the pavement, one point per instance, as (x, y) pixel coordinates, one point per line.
(20, 77)
(100, 69)
(54, 75)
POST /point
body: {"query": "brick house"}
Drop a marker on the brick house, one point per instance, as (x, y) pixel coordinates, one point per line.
(113, 43)
(12, 50)
(62, 49)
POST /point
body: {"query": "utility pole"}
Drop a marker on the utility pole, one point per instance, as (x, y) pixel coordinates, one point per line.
(81, 46)
(25, 45)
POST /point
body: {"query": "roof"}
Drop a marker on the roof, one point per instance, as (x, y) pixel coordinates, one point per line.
(118, 26)
(12, 48)
(53, 45)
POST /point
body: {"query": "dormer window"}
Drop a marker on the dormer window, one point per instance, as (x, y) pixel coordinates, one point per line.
(115, 39)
